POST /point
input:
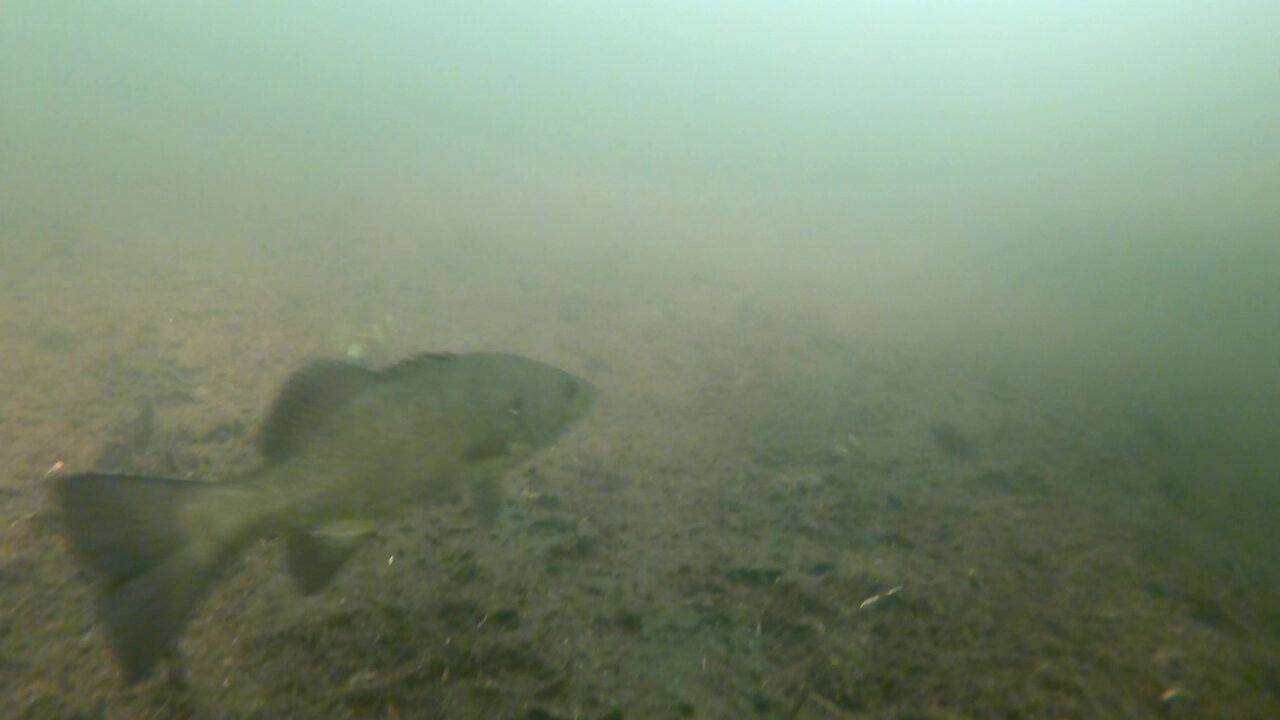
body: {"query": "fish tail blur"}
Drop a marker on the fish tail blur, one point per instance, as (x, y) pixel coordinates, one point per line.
(137, 533)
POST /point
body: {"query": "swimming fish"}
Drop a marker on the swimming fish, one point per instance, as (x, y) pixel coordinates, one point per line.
(344, 450)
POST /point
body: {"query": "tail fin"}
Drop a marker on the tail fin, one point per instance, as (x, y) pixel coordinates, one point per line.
(136, 532)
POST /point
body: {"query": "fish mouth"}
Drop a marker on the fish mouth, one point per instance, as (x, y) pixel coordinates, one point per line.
(588, 392)
(582, 398)
(580, 394)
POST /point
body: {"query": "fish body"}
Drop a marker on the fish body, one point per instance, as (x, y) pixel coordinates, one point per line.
(344, 450)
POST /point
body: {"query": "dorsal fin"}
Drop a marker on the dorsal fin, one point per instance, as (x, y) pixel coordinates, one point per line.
(309, 396)
(414, 364)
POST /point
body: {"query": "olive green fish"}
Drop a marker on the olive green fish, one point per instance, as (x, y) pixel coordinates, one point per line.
(345, 448)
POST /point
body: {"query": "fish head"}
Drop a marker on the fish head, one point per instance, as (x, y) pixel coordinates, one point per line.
(520, 405)
(547, 402)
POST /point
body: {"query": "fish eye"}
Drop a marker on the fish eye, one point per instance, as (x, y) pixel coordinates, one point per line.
(517, 406)
(571, 388)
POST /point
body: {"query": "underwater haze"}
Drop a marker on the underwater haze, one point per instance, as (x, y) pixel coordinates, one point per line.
(937, 347)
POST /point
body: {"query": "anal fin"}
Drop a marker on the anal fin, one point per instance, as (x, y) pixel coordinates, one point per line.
(316, 556)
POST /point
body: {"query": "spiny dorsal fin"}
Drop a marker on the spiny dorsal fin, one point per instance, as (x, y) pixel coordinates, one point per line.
(310, 395)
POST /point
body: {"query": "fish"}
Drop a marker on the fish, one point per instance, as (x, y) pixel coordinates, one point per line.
(344, 450)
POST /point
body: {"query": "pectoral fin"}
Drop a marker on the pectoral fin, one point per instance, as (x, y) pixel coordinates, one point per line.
(317, 555)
